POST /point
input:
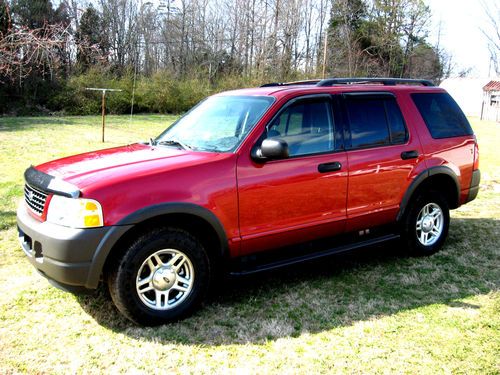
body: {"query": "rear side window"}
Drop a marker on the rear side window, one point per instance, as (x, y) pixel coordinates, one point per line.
(375, 121)
(442, 115)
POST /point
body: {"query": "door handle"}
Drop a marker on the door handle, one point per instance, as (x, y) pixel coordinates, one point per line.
(329, 167)
(405, 155)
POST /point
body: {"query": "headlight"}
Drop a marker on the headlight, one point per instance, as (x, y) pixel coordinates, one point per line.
(75, 213)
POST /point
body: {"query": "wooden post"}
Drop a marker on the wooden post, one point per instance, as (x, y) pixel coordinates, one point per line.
(498, 107)
(103, 105)
(103, 113)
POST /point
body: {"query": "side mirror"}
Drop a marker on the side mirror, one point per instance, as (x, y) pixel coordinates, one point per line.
(271, 149)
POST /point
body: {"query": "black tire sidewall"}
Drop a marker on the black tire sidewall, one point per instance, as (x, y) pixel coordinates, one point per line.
(122, 282)
(414, 246)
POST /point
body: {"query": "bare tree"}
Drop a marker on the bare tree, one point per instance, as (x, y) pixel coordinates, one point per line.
(414, 25)
(492, 32)
(23, 50)
(121, 17)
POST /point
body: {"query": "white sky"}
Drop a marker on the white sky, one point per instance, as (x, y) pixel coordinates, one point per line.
(461, 36)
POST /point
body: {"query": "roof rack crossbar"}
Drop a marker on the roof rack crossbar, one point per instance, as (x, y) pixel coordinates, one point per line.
(383, 81)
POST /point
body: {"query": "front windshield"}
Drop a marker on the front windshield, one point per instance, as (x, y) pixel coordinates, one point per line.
(219, 123)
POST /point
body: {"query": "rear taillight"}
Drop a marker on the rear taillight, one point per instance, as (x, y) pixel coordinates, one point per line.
(476, 154)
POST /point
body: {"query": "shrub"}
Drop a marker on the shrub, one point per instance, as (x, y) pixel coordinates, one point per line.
(162, 92)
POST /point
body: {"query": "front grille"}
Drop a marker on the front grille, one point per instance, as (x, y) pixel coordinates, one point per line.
(35, 199)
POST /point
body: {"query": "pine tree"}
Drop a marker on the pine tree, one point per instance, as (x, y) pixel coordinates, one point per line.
(91, 39)
(347, 23)
(4, 18)
(33, 14)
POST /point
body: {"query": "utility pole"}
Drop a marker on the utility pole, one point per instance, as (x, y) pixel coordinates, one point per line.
(103, 104)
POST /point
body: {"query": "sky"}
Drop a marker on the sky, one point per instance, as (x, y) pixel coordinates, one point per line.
(461, 22)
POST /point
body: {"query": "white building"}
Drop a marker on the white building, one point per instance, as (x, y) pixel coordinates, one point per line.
(491, 101)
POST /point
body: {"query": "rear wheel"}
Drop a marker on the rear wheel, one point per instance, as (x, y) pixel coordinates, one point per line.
(163, 276)
(426, 225)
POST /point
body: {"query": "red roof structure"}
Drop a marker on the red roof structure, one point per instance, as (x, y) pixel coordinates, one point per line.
(492, 86)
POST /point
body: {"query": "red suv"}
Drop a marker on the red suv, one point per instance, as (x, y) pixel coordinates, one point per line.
(251, 180)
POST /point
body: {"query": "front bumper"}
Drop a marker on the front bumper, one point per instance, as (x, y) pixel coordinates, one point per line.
(63, 255)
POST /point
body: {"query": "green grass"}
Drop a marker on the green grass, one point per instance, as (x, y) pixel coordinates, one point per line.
(370, 312)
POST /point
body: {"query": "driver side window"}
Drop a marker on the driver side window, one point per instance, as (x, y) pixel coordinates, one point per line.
(306, 126)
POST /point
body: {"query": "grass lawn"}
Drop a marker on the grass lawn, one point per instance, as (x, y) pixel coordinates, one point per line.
(368, 312)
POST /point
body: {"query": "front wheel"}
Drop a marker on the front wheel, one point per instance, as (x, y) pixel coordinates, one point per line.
(426, 226)
(163, 276)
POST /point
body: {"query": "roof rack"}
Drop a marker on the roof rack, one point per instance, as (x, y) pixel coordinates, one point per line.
(383, 81)
(351, 81)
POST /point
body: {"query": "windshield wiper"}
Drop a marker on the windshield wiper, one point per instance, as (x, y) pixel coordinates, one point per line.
(175, 142)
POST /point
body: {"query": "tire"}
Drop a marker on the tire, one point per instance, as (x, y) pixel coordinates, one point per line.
(162, 277)
(426, 225)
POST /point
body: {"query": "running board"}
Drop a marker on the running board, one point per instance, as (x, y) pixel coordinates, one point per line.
(317, 255)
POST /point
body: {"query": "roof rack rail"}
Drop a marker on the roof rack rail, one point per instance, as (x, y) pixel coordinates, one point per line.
(351, 81)
(304, 82)
(383, 81)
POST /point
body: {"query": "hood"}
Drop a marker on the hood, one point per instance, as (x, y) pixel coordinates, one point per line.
(121, 162)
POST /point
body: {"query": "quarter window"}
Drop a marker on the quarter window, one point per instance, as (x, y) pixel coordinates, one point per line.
(442, 115)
